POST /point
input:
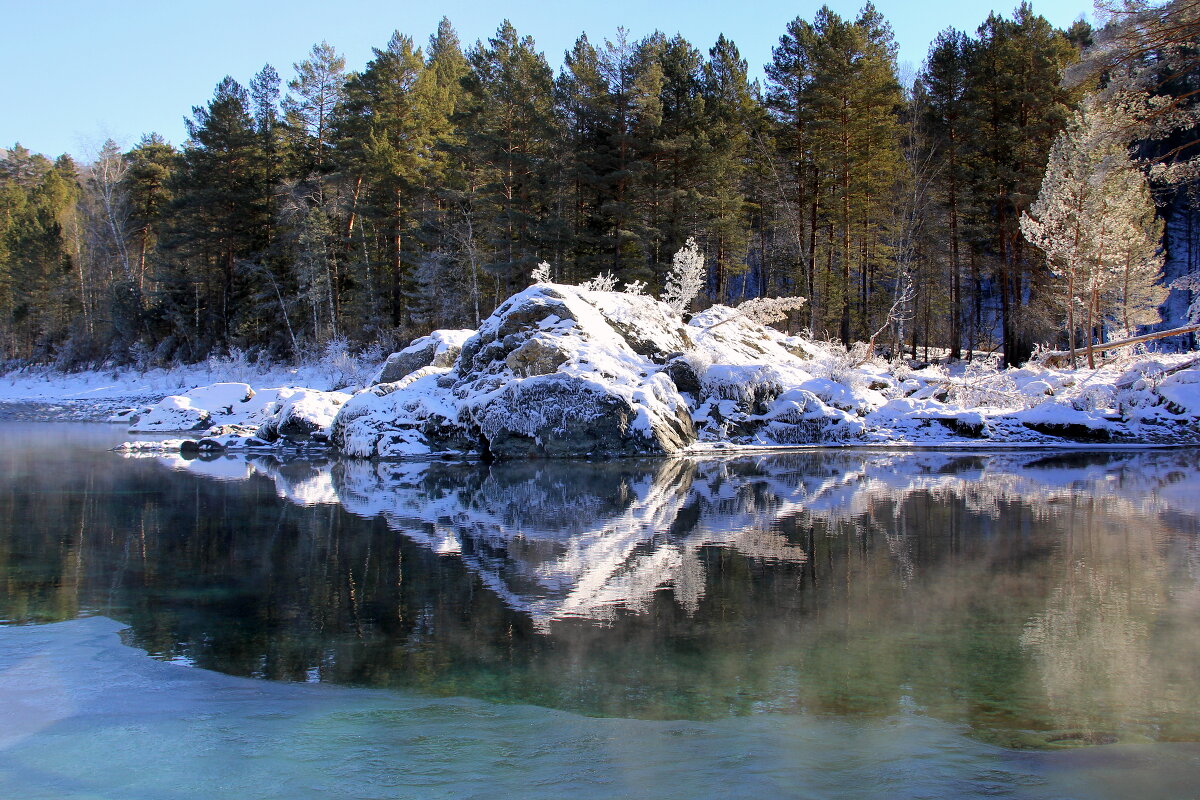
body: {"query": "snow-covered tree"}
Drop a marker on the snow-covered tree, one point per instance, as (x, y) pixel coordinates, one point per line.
(1094, 219)
(541, 273)
(763, 310)
(1191, 285)
(686, 278)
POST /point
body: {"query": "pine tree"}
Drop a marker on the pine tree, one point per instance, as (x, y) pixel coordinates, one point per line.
(731, 113)
(800, 184)
(146, 182)
(313, 96)
(945, 82)
(511, 131)
(1095, 222)
(1016, 107)
(221, 217)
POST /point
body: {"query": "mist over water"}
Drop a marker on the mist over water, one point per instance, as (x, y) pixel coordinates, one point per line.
(933, 611)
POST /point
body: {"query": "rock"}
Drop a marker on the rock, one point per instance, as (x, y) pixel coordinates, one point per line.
(438, 349)
(556, 371)
(304, 415)
(541, 354)
(683, 374)
(969, 429)
(174, 413)
(1038, 388)
(200, 408)
(561, 417)
(1073, 431)
(230, 430)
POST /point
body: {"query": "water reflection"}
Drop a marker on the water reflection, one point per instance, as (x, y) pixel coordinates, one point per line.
(1041, 599)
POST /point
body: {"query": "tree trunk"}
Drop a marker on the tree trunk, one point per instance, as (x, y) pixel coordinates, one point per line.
(1060, 359)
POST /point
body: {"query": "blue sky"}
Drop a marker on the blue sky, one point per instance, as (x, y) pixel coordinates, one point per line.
(79, 71)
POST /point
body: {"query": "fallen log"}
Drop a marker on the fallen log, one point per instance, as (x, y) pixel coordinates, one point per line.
(1062, 358)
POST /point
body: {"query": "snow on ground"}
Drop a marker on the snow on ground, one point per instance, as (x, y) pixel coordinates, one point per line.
(565, 371)
(97, 394)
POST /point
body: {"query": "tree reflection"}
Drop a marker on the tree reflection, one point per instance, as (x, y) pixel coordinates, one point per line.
(1041, 599)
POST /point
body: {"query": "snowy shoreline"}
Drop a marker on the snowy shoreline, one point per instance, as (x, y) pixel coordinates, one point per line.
(570, 372)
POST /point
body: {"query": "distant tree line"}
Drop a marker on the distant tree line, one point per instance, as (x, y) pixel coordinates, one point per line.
(420, 191)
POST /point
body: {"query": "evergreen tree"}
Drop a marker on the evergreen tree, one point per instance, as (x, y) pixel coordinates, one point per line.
(945, 81)
(146, 183)
(1016, 107)
(731, 113)
(221, 216)
(1095, 222)
(312, 97)
(511, 129)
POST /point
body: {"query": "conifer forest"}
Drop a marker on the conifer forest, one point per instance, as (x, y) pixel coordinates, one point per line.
(938, 211)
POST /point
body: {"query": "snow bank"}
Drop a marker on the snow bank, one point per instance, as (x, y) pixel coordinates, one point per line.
(234, 416)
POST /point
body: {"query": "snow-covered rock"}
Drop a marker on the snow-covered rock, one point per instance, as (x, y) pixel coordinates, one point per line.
(302, 415)
(556, 371)
(200, 408)
(1182, 392)
(234, 416)
(438, 349)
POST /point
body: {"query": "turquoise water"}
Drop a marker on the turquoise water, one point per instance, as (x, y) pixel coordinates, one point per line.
(827, 624)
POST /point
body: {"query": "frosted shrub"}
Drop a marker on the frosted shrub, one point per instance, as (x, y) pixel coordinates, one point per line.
(604, 282)
(343, 367)
(841, 365)
(236, 367)
(980, 387)
(765, 310)
(635, 288)
(1095, 397)
(141, 356)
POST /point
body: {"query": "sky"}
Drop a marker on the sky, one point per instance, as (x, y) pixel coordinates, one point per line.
(76, 72)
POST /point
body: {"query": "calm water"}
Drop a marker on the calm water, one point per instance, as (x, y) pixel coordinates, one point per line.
(822, 624)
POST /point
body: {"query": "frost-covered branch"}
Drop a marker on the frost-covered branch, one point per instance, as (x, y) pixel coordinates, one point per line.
(763, 310)
(899, 312)
(1190, 284)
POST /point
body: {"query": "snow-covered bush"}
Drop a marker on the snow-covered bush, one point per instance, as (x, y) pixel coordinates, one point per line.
(842, 364)
(766, 310)
(604, 282)
(686, 278)
(237, 366)
(541, 273)
(635, 288)
(345, 368)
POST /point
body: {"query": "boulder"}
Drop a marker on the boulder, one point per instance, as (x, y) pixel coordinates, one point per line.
(438, 349)
(174, 413)
(200, 408)
(557, 371)
(303, 415)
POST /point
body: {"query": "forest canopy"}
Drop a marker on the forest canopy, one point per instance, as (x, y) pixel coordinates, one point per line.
(416, 193)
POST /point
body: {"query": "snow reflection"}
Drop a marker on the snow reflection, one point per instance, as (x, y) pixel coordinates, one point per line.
(561, 539)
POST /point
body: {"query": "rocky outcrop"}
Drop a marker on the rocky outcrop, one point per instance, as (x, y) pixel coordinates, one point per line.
(556, 371)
